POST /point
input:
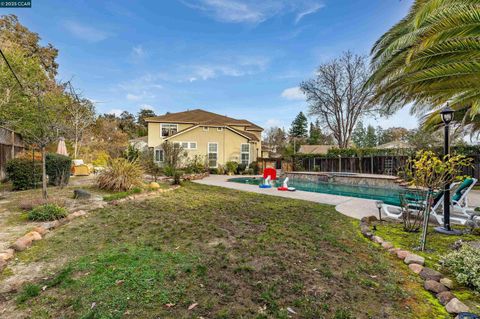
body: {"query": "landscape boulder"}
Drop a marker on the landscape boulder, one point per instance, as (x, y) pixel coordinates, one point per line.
(377, 239)
(51, 225)
(414, 259)
(430, 274)
(434, 286)
(369, 219)
(416, 268)
(81, 194)
(7, 254)
(76, 214)
(154, 185)
(387, 245)
(41, 230)
(447, 282)
(456, 306)
(402, 254)
(444, 297)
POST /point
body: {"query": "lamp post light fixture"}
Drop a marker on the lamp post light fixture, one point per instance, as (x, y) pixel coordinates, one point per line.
(447, 117)
(379, 207)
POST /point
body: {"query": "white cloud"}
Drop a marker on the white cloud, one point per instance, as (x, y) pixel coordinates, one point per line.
(273, 123)
(293, 93)
(133, 97)
(311, 9)
(253, 11)
(116, 112)
(86, 32)
(147, 107)
(138, 52)
(233, 67)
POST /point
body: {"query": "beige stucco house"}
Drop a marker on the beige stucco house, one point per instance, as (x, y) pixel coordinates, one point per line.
(215, 137)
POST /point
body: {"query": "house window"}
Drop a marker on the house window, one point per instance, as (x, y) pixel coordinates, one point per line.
(176, 144)
(168, 129)
(245, 154)
(159, 155)
(184, 145)
(205, 128)
(219, 129)
(212, 154)
(193, 145)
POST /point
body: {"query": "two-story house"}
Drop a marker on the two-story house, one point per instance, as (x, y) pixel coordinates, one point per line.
(217, 138)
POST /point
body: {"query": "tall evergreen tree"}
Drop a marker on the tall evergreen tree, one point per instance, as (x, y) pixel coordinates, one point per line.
(359, 134)
(370, 137)
(299, 128)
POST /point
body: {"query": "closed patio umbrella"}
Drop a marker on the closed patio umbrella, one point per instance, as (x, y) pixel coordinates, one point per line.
(62, 148)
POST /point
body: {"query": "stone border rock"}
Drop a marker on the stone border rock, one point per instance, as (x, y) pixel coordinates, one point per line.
(38, 232)
(434, 281)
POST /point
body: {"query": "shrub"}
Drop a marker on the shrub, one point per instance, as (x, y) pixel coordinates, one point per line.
(249, 171)
(149, 165)
(241, 168)
(47, 212)
(213, 171)
(30, 203)
(196, 165)
(58, 169)
(24, 173)
(231, 167)
(221, 169)
(132, 153)
(254, 166)
(120, 195)
(102, 159)
(177, 177)
(464, 264)
(120, 175)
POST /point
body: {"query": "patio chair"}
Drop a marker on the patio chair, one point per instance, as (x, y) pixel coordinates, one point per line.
(460, 197)
(413, 203)
(79, 168)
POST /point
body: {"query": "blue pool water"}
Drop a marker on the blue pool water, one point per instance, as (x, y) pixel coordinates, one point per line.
(387, 195)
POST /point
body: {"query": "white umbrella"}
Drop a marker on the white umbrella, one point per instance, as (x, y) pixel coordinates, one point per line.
(62, 148)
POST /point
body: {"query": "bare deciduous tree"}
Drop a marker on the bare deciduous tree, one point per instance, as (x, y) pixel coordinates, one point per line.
(338, 96)
(80, 115)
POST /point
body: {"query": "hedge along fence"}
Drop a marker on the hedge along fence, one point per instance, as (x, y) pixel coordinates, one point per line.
(25, 173)
(375, 161)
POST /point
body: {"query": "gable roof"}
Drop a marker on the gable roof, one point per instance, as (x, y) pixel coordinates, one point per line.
(205, 118)
(315, 149)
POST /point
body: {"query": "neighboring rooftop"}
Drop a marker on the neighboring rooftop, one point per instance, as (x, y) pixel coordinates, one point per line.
(201, 117)
(394, 144)
(315, 149)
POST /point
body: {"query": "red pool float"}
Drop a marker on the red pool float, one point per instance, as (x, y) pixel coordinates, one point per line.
(283, 188)
(270, 172)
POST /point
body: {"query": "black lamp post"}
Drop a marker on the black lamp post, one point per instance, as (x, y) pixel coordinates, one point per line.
(447, 117)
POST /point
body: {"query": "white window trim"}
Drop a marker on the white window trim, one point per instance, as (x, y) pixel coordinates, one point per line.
(161, 128)
(205, 128)
(189, 143)
(208, 153)
(242, 152)
(155, 156)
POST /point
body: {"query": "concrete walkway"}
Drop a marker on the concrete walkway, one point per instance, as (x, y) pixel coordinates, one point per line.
(350, 206)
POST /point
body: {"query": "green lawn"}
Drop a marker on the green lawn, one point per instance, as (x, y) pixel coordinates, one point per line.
(232, 254)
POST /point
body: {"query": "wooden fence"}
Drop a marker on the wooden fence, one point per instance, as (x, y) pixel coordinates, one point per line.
(11, 144)
(379, 164)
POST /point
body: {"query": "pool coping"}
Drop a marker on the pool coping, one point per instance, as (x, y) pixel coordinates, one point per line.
(350, 206)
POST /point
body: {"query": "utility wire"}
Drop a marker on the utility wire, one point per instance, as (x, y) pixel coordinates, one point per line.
(11, 69)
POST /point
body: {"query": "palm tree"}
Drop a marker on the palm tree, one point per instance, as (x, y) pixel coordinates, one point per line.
(429, 58)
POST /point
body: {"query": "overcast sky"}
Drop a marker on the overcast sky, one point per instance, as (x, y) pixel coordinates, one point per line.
(244, 59)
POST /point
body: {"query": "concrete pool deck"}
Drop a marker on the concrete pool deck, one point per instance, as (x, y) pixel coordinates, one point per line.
(349, 206)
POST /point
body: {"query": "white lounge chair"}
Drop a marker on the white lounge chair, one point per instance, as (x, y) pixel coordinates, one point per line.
(461, 213)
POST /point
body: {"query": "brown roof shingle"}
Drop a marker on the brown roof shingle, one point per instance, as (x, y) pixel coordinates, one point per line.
(201, 117)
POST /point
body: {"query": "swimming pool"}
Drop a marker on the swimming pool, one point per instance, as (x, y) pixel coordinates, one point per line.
(387, 195)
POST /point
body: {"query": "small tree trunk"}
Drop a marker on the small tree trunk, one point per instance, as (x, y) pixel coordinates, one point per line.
(75, 148)
(44, 174)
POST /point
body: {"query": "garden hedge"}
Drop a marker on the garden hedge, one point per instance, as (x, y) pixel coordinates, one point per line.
(24, 173)
(58, 169)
